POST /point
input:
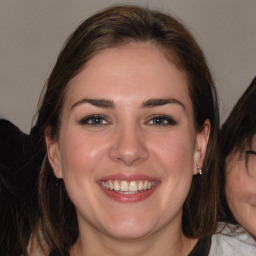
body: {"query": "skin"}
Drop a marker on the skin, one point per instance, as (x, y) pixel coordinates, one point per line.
(241, 188)
(129, 142)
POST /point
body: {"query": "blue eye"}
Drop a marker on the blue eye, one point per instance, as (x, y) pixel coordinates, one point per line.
(162, 120)
(94, 120)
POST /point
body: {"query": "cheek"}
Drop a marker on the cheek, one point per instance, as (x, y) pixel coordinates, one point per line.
(176, 152)
(240, 188)
(231, 188)
(175, 156)
(234, 182)
(232, 185)
(81, 160)
(81, 154)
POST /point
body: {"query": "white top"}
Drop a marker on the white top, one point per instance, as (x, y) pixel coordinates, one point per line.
(228, 243)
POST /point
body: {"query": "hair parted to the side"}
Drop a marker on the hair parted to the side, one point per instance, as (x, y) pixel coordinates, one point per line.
(236, 134)
(113, 27)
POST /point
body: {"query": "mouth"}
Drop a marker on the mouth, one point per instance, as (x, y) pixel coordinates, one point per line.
(128, 187)
(128, 190)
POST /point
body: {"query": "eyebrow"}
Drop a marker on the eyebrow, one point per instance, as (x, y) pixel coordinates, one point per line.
(160, 102)
(109, 104)
(101, 103)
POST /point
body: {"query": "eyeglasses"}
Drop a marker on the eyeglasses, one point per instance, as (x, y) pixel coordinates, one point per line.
(251, 162)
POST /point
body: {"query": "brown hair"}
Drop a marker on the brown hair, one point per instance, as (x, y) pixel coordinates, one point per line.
(113, 27)
(237, 133)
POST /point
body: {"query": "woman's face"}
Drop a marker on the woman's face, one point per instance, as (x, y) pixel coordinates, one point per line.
(127, 148)
(241, 187)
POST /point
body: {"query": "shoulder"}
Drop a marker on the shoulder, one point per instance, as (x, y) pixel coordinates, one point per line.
(230, 243)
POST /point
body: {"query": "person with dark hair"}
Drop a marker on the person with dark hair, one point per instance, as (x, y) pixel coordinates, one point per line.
(20, 161)
(130, 120)
(238, 162)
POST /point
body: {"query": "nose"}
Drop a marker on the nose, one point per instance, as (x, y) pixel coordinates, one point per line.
(128, 147)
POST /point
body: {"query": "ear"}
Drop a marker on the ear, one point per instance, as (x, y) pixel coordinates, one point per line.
(202, 138)
(53, 153)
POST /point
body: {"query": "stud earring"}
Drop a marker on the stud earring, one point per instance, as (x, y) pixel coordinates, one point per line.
(57, 183)
(199, 170)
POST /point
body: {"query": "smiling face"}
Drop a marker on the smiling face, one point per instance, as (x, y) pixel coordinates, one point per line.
(241, 187)
(127, 148)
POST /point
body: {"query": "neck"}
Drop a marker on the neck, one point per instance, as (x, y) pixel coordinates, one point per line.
(163, 243)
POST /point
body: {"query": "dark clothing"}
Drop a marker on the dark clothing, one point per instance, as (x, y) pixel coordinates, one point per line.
(202, 247)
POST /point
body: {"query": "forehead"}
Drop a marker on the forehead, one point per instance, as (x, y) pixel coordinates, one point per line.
(132, 70)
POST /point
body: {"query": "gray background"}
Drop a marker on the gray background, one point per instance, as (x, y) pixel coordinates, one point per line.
(33, 32)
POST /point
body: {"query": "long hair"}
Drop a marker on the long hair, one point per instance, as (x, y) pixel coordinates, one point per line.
(114, 27)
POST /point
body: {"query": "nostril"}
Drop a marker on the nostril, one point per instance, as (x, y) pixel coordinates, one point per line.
(128, 151)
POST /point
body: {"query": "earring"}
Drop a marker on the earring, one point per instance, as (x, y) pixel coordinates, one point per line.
(57, 182)
(199, 170)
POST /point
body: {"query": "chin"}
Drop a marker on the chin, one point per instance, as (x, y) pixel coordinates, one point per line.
(252, 229)
(129, 228)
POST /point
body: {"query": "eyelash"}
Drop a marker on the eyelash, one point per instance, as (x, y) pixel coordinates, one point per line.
(159, 119)
(98, 120)
(90, 120)
(250, 152)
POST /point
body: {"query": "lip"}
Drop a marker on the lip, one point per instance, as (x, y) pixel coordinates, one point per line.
(128, 198)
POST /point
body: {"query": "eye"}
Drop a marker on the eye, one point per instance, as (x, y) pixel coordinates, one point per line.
(94, 120)
(251, 162)
(162, 120)
(250, 152)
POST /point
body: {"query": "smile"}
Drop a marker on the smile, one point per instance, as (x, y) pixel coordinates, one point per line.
(128, 187)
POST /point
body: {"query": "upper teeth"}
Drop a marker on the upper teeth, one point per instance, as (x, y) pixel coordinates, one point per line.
(128, 186)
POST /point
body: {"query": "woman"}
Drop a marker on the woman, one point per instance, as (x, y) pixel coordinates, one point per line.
(238, 162)
(130, 120)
